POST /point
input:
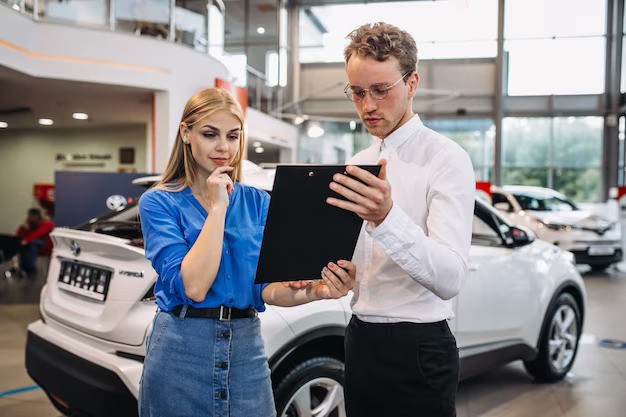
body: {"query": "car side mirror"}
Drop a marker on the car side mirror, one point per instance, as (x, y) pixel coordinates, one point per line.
(502, 206)
(520, 236)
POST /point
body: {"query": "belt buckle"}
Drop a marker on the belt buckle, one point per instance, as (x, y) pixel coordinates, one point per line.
(222, 316)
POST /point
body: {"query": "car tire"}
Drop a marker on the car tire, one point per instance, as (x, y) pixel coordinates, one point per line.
(313, 387)
(558, 343)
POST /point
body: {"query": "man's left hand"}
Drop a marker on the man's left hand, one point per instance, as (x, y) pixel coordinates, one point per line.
(370, 199)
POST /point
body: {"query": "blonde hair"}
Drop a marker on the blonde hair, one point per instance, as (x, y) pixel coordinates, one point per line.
(181, 171)
(382, 41)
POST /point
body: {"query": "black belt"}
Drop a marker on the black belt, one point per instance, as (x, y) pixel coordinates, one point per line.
(221, 312)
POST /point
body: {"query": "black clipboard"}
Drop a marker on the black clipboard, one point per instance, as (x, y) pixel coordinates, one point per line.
(303, 232)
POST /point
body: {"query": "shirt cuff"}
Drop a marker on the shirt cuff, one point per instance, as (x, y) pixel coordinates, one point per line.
(391, 232)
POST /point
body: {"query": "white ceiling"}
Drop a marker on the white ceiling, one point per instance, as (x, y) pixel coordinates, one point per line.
(25, 99)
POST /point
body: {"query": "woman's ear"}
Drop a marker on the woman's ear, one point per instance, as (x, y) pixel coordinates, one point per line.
(184, 132)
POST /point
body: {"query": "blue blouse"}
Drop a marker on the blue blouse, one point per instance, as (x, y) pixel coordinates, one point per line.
(171, 223)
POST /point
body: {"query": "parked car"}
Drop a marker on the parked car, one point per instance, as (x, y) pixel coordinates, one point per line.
(593, 239)
(523, 299)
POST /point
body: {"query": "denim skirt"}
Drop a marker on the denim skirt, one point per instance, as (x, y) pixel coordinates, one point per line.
(206, 368)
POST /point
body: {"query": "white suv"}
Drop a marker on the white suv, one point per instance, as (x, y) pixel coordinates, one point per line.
(593, 239)
(523, 299)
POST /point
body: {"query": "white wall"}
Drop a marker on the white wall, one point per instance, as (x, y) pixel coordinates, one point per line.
(29, 156)
(75, 53)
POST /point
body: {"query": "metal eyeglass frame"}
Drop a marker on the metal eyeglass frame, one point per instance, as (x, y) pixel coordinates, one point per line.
(350, 94)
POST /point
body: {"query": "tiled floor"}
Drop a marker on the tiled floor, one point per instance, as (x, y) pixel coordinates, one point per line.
(595, 387)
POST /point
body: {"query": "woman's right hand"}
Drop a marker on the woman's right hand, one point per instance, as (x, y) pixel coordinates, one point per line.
(220, 185)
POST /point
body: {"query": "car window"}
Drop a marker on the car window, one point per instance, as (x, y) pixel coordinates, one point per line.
(123, 223)
(484, 234)
(544, 203)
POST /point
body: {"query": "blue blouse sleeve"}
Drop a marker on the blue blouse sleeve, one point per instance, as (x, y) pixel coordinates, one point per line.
(164, 241)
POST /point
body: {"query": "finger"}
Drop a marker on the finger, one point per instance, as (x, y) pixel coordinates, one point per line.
(351, 195)
(351, 183)
(345, 276)
(348, 266)
(383, 169)
(329, 273)
(365, 176)
(346, 205)
(221, 170)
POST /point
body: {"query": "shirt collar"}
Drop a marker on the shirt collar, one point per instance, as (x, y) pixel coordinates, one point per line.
(400, 135)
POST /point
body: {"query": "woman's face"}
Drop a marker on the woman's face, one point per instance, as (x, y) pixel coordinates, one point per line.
(214, 141)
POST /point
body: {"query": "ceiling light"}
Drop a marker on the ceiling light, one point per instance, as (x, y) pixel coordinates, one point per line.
(298, 120)
(260, 30)
(315, 130)
(80, 116)
(16, 7)
(256, 144)
(4, 125)
(352, 125)
(259, 149)
(46, 122)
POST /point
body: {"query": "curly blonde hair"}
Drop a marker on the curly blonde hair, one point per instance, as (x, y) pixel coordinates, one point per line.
(382, 41)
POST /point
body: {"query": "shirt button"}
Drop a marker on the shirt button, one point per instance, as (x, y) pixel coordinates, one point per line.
(222, 365)
(222, 395)
(227, 276)
(227, 253)
(231, 300)
(224, 335)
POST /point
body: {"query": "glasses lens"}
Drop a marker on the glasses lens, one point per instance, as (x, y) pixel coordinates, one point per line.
(379, 92)
(354, 95)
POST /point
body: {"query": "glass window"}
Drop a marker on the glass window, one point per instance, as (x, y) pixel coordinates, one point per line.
(538, 202)
(525, 142)
(475, 136)
(441, 29)
(85, 12)
(149, 17)
(577, 141)
(191, 24)
(556, 66)
(563, 153)
(554, 18)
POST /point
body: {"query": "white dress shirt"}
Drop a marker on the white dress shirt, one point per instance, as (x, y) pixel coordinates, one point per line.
(415, 261)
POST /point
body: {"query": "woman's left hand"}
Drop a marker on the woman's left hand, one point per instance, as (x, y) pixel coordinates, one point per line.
(337, 280)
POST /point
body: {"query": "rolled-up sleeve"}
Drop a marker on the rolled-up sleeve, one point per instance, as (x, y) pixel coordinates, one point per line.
(165, 244)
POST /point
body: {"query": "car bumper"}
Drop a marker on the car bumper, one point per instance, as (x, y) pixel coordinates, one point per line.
(79, 378)
(583, 257)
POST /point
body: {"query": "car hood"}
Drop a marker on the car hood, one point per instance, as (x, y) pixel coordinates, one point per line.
(579, 218)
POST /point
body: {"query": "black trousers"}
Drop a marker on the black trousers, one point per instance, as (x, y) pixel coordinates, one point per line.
(400, 369)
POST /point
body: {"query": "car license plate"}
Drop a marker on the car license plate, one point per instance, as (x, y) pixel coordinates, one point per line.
(601, 250)
(86, 280)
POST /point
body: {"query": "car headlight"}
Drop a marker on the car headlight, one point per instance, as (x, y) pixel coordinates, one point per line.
(555, 226)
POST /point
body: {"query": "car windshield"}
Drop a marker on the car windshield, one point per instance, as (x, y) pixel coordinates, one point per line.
(123, 223)
(538, 202)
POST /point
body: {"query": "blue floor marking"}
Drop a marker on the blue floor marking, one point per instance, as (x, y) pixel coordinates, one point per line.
(612, 343)
(18, 390)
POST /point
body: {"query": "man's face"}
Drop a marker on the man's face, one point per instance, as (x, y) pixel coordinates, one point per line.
(382, 117)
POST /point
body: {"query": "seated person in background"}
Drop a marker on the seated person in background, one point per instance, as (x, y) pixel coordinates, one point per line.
(35, 235)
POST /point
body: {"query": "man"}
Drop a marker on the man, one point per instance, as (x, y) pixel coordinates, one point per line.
(35, 235)
(412, 253)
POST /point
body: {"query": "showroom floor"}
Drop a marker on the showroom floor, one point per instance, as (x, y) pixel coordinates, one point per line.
(595, 387)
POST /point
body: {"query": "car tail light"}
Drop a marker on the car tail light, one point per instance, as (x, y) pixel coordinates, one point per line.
(138, 243)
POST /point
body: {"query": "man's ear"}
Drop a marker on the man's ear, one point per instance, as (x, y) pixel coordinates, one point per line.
(414, 80)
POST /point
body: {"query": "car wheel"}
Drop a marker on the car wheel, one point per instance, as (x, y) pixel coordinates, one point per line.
(558, 343)
(313, 388)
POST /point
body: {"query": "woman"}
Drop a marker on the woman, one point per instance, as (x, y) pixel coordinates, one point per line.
(203, 232)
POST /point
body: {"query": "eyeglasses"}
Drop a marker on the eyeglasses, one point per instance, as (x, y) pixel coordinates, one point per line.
(377, 91)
